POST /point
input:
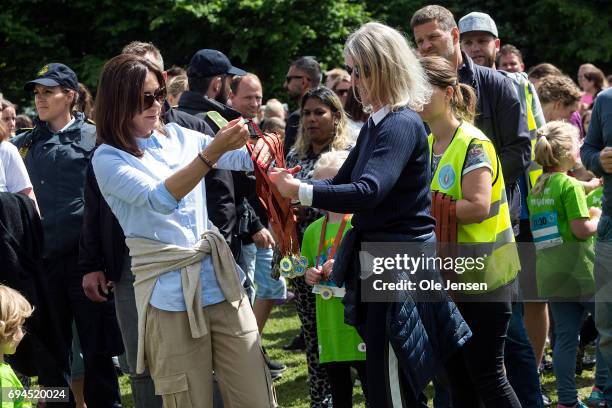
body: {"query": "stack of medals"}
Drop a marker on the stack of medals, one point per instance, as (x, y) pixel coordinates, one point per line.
(289, 266)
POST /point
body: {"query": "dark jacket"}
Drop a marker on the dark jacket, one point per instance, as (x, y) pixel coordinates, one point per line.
(56, 163)
(500, 119)
(423, 334)
(21, 241)
(102, 244)
(247, 222)
(291, 130)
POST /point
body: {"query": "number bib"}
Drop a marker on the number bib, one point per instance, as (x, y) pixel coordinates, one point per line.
(545, 230)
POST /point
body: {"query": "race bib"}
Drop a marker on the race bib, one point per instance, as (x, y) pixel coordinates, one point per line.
(328, 290)
(545, 230)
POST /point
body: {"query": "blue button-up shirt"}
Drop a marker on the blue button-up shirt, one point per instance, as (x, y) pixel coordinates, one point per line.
(135, 191)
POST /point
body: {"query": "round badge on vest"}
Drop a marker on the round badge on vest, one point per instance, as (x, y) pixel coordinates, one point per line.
(446, 176)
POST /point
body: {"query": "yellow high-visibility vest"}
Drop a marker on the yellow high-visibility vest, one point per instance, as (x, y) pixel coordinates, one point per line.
(494, 235)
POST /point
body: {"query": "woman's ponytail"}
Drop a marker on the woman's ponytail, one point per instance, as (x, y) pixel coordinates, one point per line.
(464, 102)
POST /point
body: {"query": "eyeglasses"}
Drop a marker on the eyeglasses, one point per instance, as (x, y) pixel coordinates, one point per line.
(353, 70)
(289, 78)
(149, 98)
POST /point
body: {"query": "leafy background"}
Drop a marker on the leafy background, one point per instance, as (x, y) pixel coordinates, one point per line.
(263, 36)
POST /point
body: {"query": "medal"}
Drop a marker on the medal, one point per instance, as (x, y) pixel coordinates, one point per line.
(286, 267)
(326, 293)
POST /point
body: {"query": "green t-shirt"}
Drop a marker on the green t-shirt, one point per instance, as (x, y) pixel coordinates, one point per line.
(9, 381)
(564, 263)
(594, 197)
(337, 340)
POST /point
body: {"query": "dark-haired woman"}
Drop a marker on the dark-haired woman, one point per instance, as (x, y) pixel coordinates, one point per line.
(193, 316)
(323, 127)
(464, 165)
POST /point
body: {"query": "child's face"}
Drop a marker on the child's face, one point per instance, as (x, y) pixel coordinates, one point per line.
(9, 347)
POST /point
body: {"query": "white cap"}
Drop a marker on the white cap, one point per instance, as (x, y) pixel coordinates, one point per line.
(477, 21)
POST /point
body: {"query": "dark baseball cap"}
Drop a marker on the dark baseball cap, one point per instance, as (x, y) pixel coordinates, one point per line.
(207, 63)
(54, 74)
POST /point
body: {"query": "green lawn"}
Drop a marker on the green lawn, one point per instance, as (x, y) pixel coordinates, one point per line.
(292, 387)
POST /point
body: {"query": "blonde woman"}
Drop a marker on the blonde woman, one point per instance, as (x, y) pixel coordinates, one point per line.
(385, 183)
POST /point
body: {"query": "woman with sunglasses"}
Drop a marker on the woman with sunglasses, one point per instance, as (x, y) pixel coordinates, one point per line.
(193, 315)
(385, 183)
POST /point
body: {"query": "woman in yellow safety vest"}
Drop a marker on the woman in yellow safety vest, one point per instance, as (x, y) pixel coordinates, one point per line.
(465, 166)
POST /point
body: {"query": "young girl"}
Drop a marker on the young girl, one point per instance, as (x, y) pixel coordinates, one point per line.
(340, 347)
(14, 309)
(562, 227)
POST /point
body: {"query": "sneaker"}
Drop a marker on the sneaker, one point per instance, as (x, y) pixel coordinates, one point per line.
(596, 399)
(276, 367)
(546, 400)
(297, 344)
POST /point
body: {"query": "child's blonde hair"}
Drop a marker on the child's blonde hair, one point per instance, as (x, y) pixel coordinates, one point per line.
(557, 141)
(330, 160)
(14, 309)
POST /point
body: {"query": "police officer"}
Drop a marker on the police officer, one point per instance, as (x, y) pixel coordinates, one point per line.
(56, 153)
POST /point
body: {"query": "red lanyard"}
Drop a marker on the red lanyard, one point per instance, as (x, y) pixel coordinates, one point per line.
(337, 240)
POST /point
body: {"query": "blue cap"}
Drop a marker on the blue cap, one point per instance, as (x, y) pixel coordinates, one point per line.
(54, 74)
(208, 63)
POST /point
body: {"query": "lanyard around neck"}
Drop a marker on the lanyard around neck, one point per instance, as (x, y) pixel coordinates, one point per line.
(337, 240)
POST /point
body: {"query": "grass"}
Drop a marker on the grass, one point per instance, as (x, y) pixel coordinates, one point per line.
(292, 387)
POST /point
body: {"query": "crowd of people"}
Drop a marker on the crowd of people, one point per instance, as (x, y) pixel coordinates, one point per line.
(133, 225)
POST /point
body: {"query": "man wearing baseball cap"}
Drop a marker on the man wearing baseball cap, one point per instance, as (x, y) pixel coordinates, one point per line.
(56, 153)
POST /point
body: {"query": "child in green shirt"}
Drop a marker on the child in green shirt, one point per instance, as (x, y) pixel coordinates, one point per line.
(14, 309)
(563, 226)
(340, 347)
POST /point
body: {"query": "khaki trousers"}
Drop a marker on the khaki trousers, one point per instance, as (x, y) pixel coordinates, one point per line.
(182, 367)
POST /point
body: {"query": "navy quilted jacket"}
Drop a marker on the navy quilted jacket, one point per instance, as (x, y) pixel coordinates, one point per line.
(423, 334)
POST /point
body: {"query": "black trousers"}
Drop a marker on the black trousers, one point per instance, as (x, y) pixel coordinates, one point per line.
(477, 369)
(94, 322)
(384, 390)
(341, 382)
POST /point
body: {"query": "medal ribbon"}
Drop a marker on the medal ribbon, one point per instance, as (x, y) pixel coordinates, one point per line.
(337, 240)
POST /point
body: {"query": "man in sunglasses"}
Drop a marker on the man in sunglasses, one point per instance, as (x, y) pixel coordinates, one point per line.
(304, 73)
(56, 153)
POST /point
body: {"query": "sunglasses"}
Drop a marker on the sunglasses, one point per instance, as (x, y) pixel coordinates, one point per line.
(342, 92)
(149, 98)
(352, 70)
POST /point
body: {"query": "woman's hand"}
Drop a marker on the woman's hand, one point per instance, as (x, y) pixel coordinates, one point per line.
(313, 276)
(283, 179)
(232, 136)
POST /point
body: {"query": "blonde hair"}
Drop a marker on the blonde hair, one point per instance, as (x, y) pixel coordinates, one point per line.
(177, 85)
(14, 309)
(557, 141)
(330, 160)
(341, 139)
(389, 68)
(442, 74)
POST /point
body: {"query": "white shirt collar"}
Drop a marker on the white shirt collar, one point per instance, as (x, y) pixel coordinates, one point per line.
(380, 114)
(72, 119)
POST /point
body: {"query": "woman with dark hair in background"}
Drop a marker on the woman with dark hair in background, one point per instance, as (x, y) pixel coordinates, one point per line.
(323, 128)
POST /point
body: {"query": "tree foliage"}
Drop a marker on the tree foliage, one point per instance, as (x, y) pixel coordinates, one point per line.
(263, 36)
